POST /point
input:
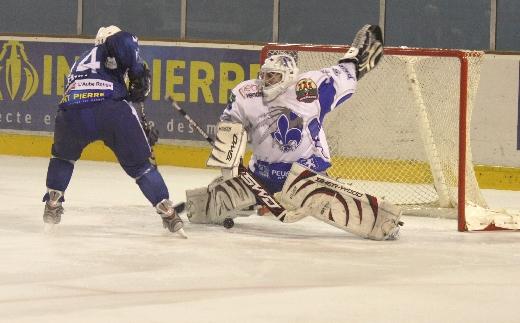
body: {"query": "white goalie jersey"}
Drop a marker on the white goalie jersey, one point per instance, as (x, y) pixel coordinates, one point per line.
(289, 128)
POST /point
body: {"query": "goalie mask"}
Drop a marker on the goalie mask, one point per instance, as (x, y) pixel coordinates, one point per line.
(105, 32)
(276, 74)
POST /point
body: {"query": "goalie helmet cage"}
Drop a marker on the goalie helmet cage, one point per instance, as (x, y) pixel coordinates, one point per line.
(404, 134)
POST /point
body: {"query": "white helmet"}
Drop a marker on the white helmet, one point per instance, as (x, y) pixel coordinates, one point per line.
(104, 32)
(276, 74)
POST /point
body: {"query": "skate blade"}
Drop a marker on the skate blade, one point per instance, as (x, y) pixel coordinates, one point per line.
(181, 233)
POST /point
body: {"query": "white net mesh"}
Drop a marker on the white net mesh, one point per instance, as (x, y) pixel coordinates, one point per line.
(398, 136)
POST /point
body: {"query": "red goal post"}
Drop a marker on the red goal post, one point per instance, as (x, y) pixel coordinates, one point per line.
(405, 133)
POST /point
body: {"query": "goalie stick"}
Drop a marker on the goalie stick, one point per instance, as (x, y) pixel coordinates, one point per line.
(245, 174)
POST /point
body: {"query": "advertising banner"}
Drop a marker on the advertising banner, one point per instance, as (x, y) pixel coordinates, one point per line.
(33, 73)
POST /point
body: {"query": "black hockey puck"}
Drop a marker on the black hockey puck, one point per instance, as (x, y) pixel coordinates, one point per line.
(228, 223)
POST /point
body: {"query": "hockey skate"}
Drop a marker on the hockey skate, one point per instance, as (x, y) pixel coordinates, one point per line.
(53, 209)
(366, 49)
(170, 218)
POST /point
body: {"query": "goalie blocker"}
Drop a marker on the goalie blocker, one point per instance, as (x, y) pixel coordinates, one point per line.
(227, 196)
(340, 205)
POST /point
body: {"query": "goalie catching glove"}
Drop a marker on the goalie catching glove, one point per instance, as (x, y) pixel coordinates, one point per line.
(366, 49)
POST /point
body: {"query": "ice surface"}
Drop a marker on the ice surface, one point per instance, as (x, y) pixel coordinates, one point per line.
(111, 261)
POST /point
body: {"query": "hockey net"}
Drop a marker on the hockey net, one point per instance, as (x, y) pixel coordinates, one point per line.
(404, 135)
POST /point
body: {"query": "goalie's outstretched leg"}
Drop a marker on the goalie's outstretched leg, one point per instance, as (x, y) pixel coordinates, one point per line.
(340, 205)
(366, 49)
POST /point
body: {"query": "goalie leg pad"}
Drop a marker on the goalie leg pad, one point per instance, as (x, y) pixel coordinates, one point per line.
(339, 205)
(197, 204)
(220, 200)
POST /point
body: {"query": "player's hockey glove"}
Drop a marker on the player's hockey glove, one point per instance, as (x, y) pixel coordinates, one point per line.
(140, 87)
(366, 49)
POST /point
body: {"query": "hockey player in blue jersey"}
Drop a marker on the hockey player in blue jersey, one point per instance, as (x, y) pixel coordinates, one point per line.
(97, 105)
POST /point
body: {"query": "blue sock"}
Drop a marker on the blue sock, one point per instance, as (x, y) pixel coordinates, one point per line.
(152, 185)
(59, 174)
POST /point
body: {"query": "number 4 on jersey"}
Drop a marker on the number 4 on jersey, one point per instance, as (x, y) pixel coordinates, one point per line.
(93, 64)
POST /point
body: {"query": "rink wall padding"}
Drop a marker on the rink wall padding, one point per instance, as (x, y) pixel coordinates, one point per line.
(488, 177)
(40, 146)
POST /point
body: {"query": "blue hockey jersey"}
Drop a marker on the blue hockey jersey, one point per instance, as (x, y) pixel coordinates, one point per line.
(99, 73)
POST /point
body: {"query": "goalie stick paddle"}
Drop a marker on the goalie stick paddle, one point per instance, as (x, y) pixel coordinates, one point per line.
(243, 172)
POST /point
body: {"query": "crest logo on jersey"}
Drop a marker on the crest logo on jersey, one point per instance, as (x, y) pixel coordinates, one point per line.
(17, 68)
(288, 135)
(249, 91)
(306, 91)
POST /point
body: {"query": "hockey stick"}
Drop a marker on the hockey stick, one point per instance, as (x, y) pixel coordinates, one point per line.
(178, 207)
(146, 128)
(245, 174)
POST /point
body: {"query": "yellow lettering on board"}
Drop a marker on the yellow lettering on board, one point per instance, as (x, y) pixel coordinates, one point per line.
(47, 75)
(226, 82)
(62, 71)
(172, 79)
(202, 83)
(156, 79)
(254, 69)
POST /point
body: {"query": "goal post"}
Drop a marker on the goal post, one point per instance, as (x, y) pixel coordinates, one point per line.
(405, 135)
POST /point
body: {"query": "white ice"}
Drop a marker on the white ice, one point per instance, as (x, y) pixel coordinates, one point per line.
(111, 261)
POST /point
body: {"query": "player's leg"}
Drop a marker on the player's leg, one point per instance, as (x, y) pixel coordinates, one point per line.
(122, 132)
(74, 129)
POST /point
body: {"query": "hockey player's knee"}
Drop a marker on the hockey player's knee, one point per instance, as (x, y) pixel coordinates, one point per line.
(152, 185)
(136, 171)
(59, 173)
